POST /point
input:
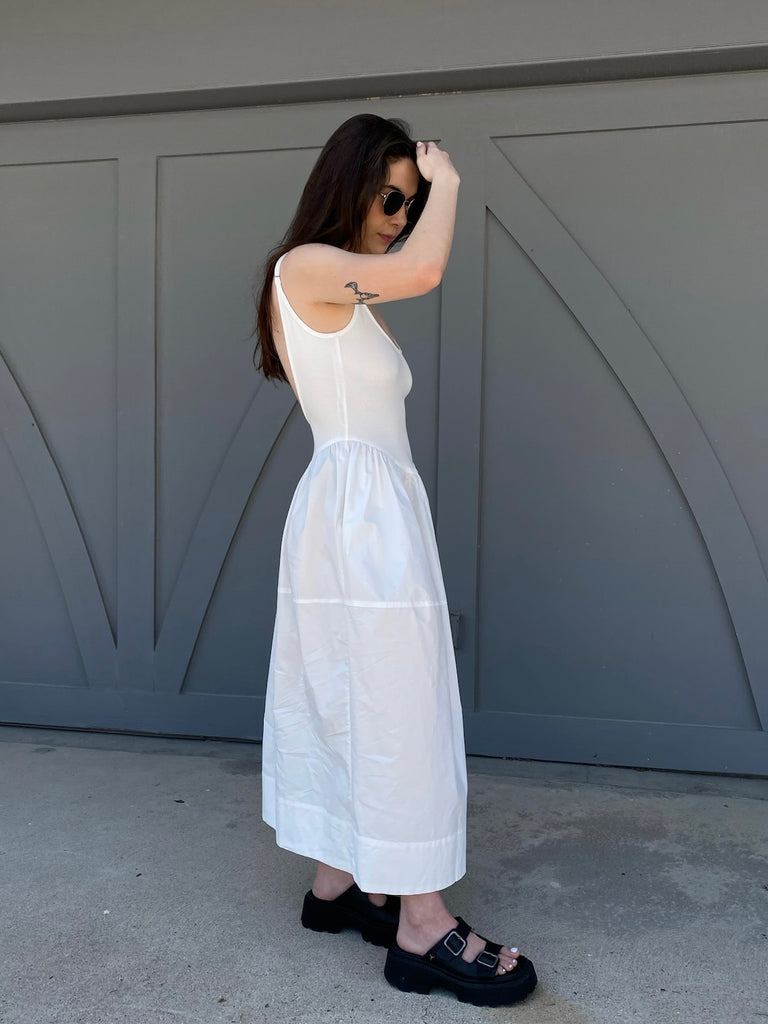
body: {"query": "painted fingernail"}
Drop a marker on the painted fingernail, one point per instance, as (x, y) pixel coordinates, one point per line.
(514, 949)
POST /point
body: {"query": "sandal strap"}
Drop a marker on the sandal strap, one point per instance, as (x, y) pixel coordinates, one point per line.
(492, 947)
(487, 958)
(448, 949)
(452, 944)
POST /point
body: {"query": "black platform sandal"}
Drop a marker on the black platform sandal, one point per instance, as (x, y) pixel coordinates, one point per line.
(353, 909)
(443, 967)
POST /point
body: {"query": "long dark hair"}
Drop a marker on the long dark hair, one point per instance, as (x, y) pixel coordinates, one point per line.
(349, 172)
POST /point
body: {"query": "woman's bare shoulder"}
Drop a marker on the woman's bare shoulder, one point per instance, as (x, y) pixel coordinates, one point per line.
(309, 254)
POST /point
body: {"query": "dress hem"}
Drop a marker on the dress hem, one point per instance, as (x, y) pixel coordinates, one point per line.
(377, 865)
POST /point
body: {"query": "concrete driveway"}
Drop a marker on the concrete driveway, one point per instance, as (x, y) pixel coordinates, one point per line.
(139, 886)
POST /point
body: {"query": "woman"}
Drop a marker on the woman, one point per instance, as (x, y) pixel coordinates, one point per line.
(364, 767)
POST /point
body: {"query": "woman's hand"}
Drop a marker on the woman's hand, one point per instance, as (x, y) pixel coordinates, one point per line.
(433, 161)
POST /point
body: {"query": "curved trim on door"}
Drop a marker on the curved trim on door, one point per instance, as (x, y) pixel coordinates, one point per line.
(61, 530)
(642, 373)
(207, 552)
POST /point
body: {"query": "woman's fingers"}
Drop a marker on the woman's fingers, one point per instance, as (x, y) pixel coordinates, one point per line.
(430, 159)
(424, 160)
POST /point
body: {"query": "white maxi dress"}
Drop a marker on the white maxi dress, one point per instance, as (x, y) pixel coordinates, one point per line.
(363, 757)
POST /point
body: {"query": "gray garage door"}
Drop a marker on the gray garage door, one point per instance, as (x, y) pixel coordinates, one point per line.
(588, 414)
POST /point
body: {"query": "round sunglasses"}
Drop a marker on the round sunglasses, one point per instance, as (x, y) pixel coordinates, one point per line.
(394, 201)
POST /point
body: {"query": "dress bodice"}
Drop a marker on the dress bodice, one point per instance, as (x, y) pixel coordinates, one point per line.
(352, 383)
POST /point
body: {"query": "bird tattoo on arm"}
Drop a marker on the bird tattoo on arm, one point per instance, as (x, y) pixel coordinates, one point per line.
(361, 296)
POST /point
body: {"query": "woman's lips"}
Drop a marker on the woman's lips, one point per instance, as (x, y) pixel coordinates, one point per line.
(387, 238)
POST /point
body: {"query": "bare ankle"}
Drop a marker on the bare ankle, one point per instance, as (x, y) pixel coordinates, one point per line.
(330, 882)
(423, 909)
(423, 919)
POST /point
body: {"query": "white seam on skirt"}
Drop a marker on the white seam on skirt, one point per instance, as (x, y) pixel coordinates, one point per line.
(363, 604)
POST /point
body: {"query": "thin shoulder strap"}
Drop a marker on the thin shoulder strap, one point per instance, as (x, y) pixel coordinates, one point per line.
(277, 265)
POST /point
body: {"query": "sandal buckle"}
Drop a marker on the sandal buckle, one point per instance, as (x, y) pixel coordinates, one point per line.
(454, 943)
(487, 959)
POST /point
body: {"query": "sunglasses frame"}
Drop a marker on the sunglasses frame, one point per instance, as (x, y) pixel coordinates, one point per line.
(407, 203)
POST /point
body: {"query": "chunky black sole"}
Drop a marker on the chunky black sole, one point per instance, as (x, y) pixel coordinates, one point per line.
(411, 973)
(353, 909)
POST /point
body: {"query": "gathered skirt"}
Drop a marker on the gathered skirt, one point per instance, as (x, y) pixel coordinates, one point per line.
(363, 759)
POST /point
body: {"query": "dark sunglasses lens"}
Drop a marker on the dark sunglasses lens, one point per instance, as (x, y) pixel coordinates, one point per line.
(393, 202)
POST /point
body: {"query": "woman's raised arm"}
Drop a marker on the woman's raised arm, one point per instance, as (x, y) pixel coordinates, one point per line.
(323, 274)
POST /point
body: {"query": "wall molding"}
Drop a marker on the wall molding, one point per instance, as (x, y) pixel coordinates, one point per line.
(660, 64)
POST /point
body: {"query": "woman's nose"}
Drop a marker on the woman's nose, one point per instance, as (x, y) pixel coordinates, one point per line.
(400, 218)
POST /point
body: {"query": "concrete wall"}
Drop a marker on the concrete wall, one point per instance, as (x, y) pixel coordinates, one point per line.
(67, 49)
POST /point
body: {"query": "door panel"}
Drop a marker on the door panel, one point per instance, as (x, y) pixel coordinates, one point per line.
(597, 596)
(216, 220)
(57, 402)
